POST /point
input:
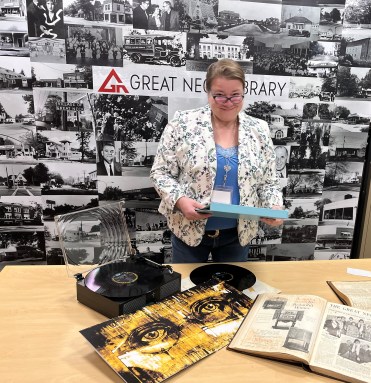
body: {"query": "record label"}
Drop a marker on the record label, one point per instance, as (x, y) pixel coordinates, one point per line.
(123, 279)
(235, 276)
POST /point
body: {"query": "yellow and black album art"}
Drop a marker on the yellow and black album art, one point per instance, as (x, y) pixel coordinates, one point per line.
(162, 339)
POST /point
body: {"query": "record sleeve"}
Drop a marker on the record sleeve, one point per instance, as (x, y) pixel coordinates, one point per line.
(155, 343)
(225, 210)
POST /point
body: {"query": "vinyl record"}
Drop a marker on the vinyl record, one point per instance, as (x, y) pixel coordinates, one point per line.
(235, 276)
(123, 279)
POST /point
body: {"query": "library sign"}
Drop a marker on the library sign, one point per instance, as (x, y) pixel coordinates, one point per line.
(180, 83)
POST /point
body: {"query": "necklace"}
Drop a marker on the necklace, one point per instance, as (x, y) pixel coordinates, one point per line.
(227, 154)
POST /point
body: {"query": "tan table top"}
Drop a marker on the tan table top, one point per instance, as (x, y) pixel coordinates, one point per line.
(40, 320)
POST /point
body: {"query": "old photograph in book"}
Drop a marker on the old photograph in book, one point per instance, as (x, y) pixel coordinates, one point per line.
(331, 339)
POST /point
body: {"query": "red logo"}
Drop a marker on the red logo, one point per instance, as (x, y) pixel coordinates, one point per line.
(114, 88)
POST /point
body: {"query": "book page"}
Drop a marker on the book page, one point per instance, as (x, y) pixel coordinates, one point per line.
(357, 292)
(281, 324)
(344, 342)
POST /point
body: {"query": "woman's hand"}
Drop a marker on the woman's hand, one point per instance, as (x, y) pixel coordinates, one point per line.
(188, 208)
(272, 221)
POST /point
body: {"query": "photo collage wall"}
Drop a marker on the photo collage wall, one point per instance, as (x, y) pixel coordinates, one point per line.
(82, 81)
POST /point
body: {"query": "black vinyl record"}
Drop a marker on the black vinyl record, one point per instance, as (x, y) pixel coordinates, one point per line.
(235, 276)
(123, 279)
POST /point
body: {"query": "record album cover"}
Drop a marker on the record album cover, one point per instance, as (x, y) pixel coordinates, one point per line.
(162, 339)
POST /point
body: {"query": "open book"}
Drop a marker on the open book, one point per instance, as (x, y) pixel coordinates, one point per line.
(353, 293)
(331, 339)
(164, 338)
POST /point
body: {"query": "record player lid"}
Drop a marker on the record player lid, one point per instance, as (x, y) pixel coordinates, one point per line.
(94, 237)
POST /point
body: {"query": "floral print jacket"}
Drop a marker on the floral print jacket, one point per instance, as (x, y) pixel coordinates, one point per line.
(185, 165)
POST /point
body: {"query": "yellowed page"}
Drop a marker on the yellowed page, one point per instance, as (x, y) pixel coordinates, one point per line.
(344, 342)
(358, 293)
(281, 324)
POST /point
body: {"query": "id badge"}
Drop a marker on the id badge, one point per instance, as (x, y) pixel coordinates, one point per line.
(222, 194)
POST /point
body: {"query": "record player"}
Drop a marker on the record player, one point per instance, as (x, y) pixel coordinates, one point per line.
(111, 277)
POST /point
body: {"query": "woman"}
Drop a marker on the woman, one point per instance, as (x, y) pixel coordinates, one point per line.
(52, 24)
(154, 21)
(215, 147)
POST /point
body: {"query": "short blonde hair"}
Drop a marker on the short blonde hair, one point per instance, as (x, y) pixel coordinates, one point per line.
(227, 68)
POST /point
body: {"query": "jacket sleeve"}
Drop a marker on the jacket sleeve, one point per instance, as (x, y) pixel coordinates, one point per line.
(165, 170)
(269, 191)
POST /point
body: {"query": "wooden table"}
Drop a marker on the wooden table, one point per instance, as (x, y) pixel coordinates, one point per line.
(40, 321)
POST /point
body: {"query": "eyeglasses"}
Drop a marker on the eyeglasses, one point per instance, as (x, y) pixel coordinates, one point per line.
(236, 99)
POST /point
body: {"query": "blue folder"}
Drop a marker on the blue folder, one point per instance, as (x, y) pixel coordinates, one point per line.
(225, 210)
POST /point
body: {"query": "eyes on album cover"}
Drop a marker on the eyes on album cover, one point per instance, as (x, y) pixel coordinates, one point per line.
(162, 339)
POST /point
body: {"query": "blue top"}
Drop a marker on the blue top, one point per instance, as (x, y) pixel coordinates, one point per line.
(226, 157)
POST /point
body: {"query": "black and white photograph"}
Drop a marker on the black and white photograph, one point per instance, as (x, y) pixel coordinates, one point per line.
(48, 51)
(347, 145)
(14, 34)
(302, 211)
(114, 13)
(301, 20)
(25, 213)
(108, 158)
(18, 135)
(315, 132)
(94, 45)
(331, 22)
(298, 233)
(62, 76)
(340, 209)
(155, 48)
(195, 16)
(61, 146)
(302, 184)
(308, 88)
(290, 252)
(323, 59)
(250, 18)
(22, 247)
(282, 158)
(283, 118)
(357, 14)
(357, 350)
(64, 179)
(332, 255)
(129, 118)
(63, 204)
(353, 83)
(334, 237)
(310, 159)
(15, 75)
(22, 180)
(205, 49)
(64, 111)
(267, 235)
(45, 18)
(344, 175)
(51, 236)
(134, 185)
(355, 48)
(138, 154)
(152, 237)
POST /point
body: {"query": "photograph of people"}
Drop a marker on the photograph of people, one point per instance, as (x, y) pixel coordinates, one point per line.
(107, 165)
(215, 147)
(154, 21)
(169, 18)
(52, 21)
(35, 16)
(140, 15)
(282, 155)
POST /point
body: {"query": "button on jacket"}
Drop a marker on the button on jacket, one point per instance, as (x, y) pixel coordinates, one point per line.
(185, 165)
